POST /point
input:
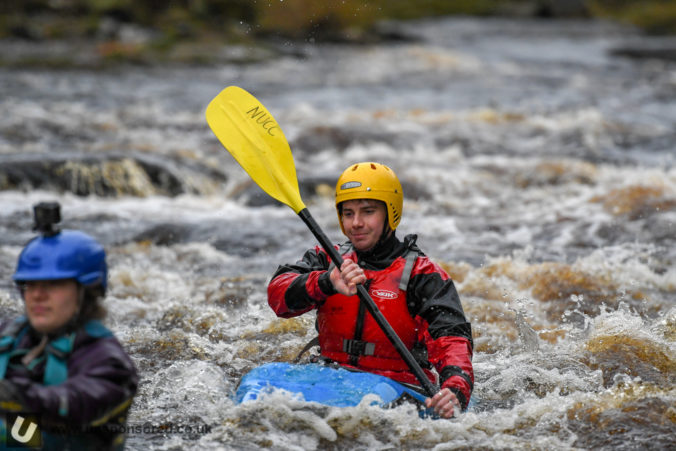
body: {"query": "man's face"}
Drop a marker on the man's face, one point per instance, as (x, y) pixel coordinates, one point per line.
(363, 222)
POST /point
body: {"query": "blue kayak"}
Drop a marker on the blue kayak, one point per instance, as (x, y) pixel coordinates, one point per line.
(331, 386)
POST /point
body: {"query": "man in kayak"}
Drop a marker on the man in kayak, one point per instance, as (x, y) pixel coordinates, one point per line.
(65, 381)
(416, 296)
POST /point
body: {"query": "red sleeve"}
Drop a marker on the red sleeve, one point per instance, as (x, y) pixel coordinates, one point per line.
(452, 358)
(279, 286)
(446, 332)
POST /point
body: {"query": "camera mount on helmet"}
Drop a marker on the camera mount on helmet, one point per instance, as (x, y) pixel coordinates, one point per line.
(47, 215)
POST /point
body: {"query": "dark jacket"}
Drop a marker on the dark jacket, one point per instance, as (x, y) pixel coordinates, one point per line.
(431, 295)
(90, 407)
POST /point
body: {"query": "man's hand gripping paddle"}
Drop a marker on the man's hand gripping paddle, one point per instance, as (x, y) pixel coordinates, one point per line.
(252, 136)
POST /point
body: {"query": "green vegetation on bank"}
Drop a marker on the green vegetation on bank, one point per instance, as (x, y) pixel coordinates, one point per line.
(653, 16)
(46, 19)
(195, 30)
(186, 19)
(330, 19)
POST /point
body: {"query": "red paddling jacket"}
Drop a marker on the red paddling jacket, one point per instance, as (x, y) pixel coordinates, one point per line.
(415, 295)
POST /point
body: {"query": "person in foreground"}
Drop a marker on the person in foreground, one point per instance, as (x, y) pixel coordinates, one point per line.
(416, 296)
(58, 364)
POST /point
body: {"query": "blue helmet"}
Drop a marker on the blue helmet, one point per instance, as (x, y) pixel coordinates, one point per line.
(69, 254)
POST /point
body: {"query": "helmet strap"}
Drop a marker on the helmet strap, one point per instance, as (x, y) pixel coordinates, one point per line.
(74, 321)
(80, 298)
(384, 235)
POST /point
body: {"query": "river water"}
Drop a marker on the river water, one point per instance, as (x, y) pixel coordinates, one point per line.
(538, 168)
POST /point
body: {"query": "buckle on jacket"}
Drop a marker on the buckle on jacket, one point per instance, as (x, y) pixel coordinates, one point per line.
(358, 347)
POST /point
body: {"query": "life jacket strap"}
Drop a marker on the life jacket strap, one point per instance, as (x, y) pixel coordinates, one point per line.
(7, 340)
(30, 357)
(5, 352)
(411, 257)
(56, 370)
(358, 347)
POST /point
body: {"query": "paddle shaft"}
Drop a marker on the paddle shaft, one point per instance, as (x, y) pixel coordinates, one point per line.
(370, 305)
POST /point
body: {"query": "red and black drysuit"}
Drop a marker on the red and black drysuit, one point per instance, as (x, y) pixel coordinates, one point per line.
(426, 315)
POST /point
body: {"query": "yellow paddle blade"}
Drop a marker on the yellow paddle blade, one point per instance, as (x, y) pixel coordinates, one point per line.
(252, 136)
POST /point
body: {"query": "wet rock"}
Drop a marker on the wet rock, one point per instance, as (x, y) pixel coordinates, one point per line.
(253, 196)
(414, 191)
(245, 243)
(544, 8)
(391, 31)
(656, 48)
(561, 8)
(321, 138)
(320, 185)
(106, 175)
(313, 185)
(165, 234)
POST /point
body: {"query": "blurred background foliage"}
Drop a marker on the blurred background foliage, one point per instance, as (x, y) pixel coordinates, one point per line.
(653, 16)
(297, 18)
(129, 28)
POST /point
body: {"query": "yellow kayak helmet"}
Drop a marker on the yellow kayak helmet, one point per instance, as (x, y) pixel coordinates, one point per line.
(368, 180)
